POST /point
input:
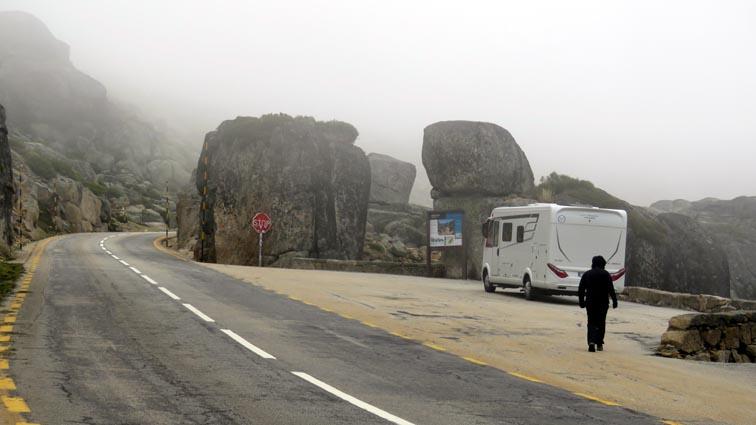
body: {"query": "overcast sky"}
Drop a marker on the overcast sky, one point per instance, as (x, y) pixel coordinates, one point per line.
(647, 99)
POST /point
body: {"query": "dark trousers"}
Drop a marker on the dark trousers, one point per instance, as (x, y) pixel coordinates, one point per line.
(596, 323)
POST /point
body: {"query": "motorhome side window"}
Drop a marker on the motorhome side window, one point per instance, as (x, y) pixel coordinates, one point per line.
(493, 234)
(506, 232)
(520, 233)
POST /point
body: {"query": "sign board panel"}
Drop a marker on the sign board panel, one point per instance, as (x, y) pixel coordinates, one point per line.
(261, 223)
(445, 229)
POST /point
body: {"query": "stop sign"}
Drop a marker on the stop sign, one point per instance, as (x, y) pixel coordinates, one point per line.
(261, 222)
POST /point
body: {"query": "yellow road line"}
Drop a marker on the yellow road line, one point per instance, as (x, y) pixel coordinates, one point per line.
(434, 346)
(294, 298)
(326, 309)
(369, 324)
(16, 405)
(671, 423)
(476, 361)
(156, 244)
(7, 384)
(590, 397)
(346, 316)
(3, 363)
(25, 423)
(9, 319)
(399, 335)
(525, 377)
(6, 328)
(4, 338)
(4, 348)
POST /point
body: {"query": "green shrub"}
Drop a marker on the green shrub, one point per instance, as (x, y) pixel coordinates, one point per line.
(9, 273)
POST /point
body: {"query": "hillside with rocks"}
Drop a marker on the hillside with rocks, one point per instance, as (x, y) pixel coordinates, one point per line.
(6, 189)
(64, 131)
(732, 224)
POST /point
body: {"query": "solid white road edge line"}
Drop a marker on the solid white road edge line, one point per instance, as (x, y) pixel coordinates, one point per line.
(201, 315)
(246, 344)
(124, 263)
(148, 279)
(169, 293)
(135, 270)
(359, 403)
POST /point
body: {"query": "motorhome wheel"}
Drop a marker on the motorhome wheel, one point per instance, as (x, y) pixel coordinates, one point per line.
(487, 283)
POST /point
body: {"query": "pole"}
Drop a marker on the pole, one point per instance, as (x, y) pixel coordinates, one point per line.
(428, 251)
(167, 214)
(259, 251)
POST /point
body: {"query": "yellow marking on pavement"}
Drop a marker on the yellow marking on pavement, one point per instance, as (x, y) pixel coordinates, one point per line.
(671, 423)
(369, 324)
(3, 363)
(4, 338)
(434, 346)
(6, 328)
(326, 309)
(346, 316)
(399, 335)
(476, 361)
(16, 305)
(295, 298)
(308, 303)
(157, 244)
(590, 397)
(4, 348)
(25, 423)
(9, 319)
(525, 377)
(16, 405)
(7, 384)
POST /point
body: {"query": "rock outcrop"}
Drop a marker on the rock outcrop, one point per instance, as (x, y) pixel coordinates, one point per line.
(391, 179)
(465, 158)
(732, 225)
(306, 175)
(64, 125)
(6, 189)
(473, 167)
(717, 337)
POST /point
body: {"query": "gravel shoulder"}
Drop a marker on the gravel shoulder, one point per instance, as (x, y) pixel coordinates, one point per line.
(542, 339)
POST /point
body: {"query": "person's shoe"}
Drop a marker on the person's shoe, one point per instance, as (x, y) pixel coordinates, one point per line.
(592, 348)
(600, 347)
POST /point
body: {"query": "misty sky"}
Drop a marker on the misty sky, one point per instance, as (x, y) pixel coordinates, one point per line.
(648, 99)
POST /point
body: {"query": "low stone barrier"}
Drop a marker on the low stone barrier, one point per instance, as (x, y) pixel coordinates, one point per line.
(384, 267)
(703, 303)
(717, 337)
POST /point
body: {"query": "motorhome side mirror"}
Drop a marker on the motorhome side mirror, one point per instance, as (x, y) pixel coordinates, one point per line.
(484, 229)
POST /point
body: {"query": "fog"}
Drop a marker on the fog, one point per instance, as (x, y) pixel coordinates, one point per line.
(649, 100)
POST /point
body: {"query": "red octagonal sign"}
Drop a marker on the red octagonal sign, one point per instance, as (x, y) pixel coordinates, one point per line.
(261, 222)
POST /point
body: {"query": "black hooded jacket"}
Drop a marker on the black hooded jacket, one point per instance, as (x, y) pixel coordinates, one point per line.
(596, 286)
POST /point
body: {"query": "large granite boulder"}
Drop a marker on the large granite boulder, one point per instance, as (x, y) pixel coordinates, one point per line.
(306, 175)
(468, 158)
(6, 189)
(391, 179)
(732, 224)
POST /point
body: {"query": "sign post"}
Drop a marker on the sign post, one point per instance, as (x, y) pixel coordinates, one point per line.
(261, 223)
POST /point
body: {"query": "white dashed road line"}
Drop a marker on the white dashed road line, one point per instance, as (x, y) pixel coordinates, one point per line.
(359, 403)
(108, 252)
(115, 257)
(201, 315)
(246, 344)
(169, 293)
(133, 269)
(124, 263)
(148, 279)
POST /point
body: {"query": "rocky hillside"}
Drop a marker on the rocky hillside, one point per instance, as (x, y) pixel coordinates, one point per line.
(306, 175)
(6, 189)
(666, 251)
(732, 225)
(62, 125)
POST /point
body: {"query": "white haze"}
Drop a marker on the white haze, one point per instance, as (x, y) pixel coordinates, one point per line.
(648, 99)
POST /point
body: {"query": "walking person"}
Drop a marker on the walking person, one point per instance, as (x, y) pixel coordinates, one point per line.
(596, 286)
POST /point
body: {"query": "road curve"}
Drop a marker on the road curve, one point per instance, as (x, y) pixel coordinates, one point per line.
(116, 332)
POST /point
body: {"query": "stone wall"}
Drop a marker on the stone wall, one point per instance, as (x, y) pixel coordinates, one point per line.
(702, 303)
(717, 337)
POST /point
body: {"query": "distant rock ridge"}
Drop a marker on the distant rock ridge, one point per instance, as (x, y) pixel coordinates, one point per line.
(732, 224)
(305, 174)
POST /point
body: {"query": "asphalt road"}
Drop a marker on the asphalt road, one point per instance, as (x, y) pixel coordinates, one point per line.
(103, 339)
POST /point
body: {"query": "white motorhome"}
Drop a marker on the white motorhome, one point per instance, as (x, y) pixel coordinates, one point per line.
(546, 248)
